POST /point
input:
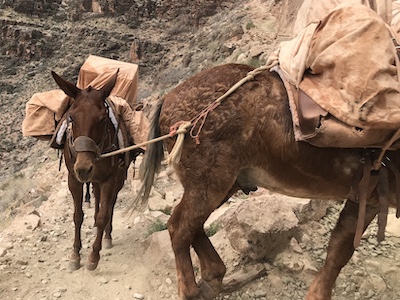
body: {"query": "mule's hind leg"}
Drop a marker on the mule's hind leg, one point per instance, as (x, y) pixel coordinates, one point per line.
(212, 267)
(96, 192)
(186, 228)
(339, 251)
(119, 183)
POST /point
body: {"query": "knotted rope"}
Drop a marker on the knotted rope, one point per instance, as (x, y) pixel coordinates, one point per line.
(181, 128)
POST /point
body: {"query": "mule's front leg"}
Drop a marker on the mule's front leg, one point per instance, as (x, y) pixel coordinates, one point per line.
(76, 189)
(339, 251)
(107, 200)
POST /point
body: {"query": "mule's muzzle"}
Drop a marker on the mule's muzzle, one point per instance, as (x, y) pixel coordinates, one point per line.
(84, 173)
(84, 165)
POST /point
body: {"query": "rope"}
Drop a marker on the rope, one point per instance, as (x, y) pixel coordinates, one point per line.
(176, 152)
(201, 117)
(126, 149)
(181, 128)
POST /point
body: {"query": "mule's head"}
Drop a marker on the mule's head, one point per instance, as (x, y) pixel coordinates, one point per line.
(88, 116)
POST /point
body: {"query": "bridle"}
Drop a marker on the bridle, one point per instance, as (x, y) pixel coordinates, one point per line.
(83, 143)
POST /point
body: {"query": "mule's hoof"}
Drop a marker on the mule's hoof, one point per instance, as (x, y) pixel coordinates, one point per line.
(206, 291)
(74, 265)
(91, 265)
(74, 262)
(107, 243)
(86, 204)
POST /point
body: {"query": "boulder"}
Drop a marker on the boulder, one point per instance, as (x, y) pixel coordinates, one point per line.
(260, 228)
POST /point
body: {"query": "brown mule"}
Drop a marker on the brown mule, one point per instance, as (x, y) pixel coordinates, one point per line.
(90, 133)
(248, 141)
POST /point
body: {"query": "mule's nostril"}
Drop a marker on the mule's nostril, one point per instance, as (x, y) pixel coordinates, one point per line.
(84, 174)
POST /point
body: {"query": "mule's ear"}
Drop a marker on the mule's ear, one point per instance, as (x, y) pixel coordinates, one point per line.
(107, 88)
(68, 88)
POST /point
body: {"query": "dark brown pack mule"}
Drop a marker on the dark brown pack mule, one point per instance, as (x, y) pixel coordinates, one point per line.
(248, 141)
(90, 133)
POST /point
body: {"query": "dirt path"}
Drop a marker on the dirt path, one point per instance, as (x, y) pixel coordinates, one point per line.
(35, 248)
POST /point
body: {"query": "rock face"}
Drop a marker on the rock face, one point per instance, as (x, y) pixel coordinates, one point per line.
(189, 12)
(32, 8)
(26, 43)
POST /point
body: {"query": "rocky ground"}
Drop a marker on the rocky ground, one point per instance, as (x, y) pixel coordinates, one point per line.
(34, 251)
(169, 42)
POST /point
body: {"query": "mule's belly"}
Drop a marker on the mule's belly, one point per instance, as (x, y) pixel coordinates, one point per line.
(297, 184)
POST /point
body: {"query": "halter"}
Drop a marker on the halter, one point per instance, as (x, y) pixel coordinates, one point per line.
(86, 144)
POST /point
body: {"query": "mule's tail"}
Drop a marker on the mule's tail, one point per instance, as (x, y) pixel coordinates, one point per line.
(151, 164)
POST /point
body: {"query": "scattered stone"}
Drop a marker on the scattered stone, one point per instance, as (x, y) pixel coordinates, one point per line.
(138, 296)
(3, 252)
(295, 246)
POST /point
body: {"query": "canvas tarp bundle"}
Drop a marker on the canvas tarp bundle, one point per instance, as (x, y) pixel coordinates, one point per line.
(45, 110)
(96, 71)
(311, 11)
(134, 121)
(42, 113)
(346, 62)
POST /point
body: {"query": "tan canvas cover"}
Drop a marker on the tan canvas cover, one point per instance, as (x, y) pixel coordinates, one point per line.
(42, 112)
(292, 54)
(347, 63)
(311, 11)
(396, 18)
(96, 70)
(352, 70)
